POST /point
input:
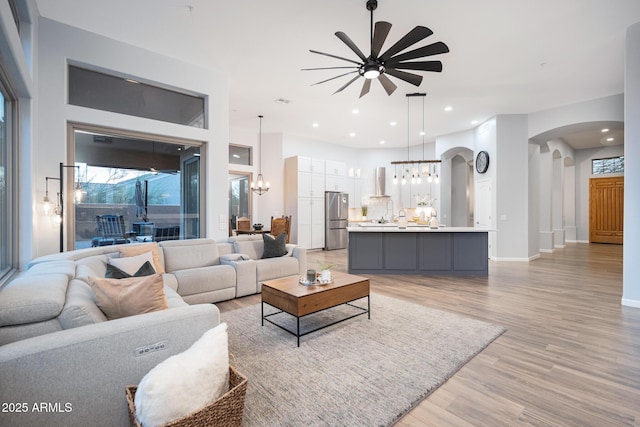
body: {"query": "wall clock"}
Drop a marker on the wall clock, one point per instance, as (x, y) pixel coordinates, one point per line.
(482, 162)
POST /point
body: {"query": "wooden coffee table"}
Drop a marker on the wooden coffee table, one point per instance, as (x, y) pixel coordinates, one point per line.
(289, 296)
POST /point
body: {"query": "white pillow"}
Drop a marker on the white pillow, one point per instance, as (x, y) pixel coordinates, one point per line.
(131, 264)
(185, 382)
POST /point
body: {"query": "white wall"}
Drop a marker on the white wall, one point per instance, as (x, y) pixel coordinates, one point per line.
(631, 276)
(59, 44)
(511, 189)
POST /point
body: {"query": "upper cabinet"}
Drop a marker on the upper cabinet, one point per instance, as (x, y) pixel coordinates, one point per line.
(335, 168)
(307, 164)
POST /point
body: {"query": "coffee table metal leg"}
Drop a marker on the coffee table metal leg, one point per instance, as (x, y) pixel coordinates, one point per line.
(298, 330)
(262, 312)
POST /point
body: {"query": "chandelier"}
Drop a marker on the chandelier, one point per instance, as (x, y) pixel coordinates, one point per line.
(260, 186)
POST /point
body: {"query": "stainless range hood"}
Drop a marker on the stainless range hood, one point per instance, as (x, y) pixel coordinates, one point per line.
(380, 183)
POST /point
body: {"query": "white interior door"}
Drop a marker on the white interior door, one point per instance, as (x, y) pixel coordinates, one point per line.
(483, 204)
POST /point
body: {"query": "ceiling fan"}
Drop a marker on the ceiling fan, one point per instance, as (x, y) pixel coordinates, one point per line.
(378, 65)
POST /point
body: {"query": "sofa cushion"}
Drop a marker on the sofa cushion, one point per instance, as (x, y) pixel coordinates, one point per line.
(114, 272)
(80, 307)
(205, 279)
(274, 246)
(140, 248)
(130, 265)
(252, 246)
(273, 268)
(201, 372)
(33, 298)
(127, 297)
(95, 265)
(66, 267)
(200, 253)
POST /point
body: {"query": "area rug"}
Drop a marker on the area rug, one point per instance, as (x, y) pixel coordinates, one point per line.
(357, 373)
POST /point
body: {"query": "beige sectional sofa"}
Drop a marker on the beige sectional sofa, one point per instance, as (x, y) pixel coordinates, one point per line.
(56, 345)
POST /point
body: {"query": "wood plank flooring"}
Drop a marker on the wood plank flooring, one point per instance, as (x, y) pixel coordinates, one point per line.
(570, 356)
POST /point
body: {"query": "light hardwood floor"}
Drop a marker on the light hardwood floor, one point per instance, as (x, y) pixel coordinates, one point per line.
(570, 356)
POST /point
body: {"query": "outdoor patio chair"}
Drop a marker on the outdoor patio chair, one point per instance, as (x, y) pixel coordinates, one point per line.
(111, 230)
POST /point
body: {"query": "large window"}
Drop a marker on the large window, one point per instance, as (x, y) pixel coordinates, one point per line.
(154, 185)
(7, 144)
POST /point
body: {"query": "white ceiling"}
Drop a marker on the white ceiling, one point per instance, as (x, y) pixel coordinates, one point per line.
(506, 57)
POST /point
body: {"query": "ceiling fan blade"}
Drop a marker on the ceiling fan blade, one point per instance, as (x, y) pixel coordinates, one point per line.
(346, 40)
(336, 77)
(334, 56)
(414, 79)
(380, 33)
(412, 37)
(387, 84)
(432, 49)
(326, 68)
(365, 87)
(435, 66)
(348, 83)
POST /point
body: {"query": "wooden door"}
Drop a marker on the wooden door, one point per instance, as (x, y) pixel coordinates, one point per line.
(606, 208)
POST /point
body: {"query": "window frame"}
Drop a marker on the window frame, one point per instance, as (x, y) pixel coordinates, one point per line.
(11, 214)
(69, 214)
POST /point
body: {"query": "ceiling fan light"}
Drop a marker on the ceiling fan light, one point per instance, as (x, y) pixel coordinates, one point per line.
(371, 71)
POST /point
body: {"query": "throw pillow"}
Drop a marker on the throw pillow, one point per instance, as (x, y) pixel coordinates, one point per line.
(131, 264)
(186, 382)
(274, 247)
(137, 249)
(114, 272)
(130, 296)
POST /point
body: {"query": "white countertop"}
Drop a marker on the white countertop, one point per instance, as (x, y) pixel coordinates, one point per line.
(393, 228)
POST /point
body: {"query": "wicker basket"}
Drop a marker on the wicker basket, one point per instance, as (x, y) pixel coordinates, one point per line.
(226, 411)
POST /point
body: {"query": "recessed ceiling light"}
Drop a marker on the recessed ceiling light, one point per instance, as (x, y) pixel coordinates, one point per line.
(355, 111)
(448, 108)
(381, 142)
(605, 130)
(393, 123)
(421, 133)
(610, 139)
(352, 134)
(315, 125)
(235, 156)
(282, 101)
(474, 122)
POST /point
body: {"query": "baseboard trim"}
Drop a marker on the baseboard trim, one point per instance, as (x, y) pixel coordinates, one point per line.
(560, 246)
(514, 259)
(547, 251)
(631, 302)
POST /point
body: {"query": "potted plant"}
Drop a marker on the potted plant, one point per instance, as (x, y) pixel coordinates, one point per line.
(364, 209)
(325, 271)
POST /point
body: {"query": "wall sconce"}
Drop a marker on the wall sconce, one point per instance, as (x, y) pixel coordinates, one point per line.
(58, 211)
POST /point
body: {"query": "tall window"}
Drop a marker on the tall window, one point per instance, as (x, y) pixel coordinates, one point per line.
(6, 149)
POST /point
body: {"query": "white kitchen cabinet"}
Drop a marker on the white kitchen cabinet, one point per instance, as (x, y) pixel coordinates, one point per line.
(336, 183)
(304, 200)
(335, 168)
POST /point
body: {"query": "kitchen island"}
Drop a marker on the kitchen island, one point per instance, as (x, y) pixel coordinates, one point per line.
(389, 249)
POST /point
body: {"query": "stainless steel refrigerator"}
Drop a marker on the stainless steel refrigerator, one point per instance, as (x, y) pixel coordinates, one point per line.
(336, 214)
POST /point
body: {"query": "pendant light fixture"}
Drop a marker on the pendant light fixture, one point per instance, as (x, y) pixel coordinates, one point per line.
(408, 165)
(261, 186)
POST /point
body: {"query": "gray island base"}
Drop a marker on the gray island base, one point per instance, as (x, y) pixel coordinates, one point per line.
(455, 251)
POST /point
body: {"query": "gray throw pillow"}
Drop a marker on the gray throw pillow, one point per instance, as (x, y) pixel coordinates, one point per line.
(274, 247)
(114, 272)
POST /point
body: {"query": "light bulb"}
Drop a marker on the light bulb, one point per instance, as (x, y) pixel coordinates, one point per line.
(46, 205)
(430, 179)
(418, 179)
(437, 179)
(395, 179)
(403, 181)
